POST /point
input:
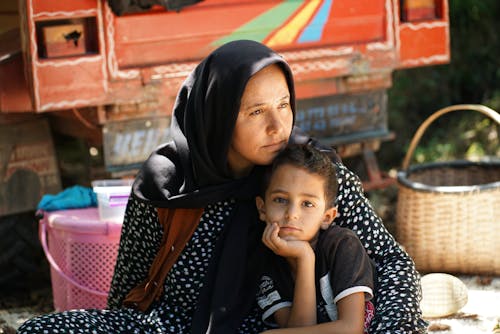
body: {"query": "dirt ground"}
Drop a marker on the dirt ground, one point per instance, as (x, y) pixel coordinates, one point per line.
(19, 303)
(480, 315)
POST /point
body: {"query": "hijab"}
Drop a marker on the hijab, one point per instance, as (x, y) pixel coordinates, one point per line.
(192, 171)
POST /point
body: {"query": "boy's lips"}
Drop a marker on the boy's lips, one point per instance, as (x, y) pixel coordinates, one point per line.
(288, 229)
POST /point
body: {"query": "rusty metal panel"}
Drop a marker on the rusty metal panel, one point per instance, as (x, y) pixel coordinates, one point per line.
(28, 166)
(128, 143)
(344, 118)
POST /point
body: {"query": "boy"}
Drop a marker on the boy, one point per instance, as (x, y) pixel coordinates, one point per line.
(322, 280)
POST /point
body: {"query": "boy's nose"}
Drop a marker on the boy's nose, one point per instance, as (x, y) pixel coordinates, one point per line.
(291, 213)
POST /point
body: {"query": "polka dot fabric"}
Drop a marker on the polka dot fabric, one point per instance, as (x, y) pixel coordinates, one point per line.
(397, 292)
(397, 289)
(174, 311)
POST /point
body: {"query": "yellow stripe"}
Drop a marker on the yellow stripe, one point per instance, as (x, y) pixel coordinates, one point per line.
(289, 32)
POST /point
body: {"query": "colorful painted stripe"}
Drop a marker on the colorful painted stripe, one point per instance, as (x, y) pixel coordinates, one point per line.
(261, 26)
(314, 31)
(288, 33)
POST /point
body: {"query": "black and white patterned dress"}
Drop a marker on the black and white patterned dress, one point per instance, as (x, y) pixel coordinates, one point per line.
(397, 289)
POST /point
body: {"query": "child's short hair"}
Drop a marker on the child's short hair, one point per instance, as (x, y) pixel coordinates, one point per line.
(310, 159)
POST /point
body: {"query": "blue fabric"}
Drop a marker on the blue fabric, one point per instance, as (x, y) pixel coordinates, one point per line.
(71, 198)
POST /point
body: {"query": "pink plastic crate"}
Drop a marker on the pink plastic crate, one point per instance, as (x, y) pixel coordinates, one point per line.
(81, 250)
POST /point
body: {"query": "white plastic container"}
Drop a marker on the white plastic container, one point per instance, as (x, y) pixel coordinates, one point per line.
(112, 198)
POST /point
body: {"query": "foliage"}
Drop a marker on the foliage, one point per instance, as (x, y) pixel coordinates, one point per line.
(471, 77)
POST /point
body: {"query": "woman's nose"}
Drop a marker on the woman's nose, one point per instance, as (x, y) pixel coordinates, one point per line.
(275, 122)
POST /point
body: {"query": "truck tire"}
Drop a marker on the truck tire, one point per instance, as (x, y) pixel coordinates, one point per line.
(21, 255)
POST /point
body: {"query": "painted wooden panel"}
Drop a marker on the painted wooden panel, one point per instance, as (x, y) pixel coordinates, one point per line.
(53, 6)
(337, 22)
(29, 167)
(162, 37)
(340, 115)
(14, 95)
(424, 43)
(70, 83)
(165, 37)
(9, 15)
(128, 143)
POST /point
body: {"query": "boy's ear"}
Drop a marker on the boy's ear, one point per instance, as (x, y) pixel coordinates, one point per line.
(328, 217)
(259, 202)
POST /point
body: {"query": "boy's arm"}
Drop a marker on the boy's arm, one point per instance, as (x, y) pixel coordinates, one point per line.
(351, 313)
(301, 258)
(398, 292)
(303, 309)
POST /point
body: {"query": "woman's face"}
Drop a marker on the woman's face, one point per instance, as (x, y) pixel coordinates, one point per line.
(264, 122)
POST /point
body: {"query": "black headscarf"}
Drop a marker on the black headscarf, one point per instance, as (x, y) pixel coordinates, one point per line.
(192, 171)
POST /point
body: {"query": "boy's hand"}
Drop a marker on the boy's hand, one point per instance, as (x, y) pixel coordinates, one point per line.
(282, 247)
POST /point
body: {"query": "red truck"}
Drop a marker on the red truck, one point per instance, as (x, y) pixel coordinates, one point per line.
(107, 72)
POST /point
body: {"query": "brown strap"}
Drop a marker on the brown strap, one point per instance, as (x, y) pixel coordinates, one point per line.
(178, 227)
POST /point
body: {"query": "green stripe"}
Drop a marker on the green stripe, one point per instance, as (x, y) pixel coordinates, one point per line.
(261, 26)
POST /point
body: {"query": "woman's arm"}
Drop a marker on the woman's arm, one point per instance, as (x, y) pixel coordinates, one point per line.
(139, 242)
(351, 313)
(397, 294)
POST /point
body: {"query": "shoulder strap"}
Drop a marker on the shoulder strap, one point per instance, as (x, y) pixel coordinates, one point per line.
(178, 227)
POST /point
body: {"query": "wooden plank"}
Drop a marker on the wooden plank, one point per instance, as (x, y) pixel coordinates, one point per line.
(339, 115)
(9, 15)
(353, 22)
(53, 6)
(423, 44)
(139, 41)
(14, 93)
(8, 22)
(29, 167)
(66, 83)
(9, 6)
(127, 144)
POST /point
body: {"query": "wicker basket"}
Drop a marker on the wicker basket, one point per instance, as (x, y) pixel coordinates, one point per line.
(448, 214)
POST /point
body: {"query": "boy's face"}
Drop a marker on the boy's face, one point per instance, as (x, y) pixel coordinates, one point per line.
(295, 200)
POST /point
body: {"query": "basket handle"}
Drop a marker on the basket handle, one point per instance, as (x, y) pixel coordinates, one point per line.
(53, 263)
(420, 131)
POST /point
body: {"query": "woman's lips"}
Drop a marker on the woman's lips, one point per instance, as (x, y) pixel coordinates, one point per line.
(275, 146)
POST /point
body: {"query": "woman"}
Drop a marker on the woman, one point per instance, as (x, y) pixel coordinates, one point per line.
(190, 250)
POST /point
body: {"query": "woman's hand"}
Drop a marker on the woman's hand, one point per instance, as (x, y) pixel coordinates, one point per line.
(287, 248)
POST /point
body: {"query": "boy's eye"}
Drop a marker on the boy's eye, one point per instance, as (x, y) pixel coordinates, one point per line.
(308, 204)
(279, 200)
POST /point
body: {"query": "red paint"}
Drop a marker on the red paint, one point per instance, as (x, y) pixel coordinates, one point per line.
(156, 49)
(423, 44)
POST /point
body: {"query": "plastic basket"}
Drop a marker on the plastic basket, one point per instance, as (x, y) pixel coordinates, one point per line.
(81, 250)
(448, 214)
(112, 198)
